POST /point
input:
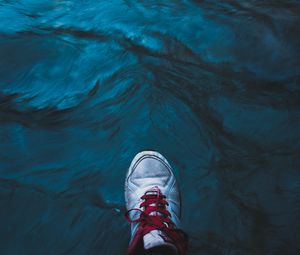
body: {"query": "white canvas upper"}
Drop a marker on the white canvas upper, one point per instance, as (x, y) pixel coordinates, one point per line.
(149, 169)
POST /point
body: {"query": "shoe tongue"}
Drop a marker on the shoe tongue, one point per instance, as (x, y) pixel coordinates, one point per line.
(157, 238)
(153, 191)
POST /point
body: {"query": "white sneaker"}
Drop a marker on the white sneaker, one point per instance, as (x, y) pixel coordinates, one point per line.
(153, 203)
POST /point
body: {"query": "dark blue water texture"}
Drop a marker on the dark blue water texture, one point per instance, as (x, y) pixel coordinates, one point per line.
(212, 85)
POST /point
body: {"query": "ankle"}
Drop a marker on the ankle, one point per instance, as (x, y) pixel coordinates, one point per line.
(161, 250)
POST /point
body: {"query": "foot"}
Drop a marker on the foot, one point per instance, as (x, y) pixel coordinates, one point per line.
(153, 203)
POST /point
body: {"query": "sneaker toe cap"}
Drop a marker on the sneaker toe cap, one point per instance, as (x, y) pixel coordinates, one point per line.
(150, 168)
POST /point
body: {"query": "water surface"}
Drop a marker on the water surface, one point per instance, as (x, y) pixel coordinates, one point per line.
(212, 85)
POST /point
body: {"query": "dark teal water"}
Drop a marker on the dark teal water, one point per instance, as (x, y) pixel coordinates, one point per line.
(212, 85)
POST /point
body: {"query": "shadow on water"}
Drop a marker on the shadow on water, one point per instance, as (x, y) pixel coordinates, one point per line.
(212, 85)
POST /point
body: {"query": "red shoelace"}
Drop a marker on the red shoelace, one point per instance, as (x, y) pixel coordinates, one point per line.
(155, 216)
